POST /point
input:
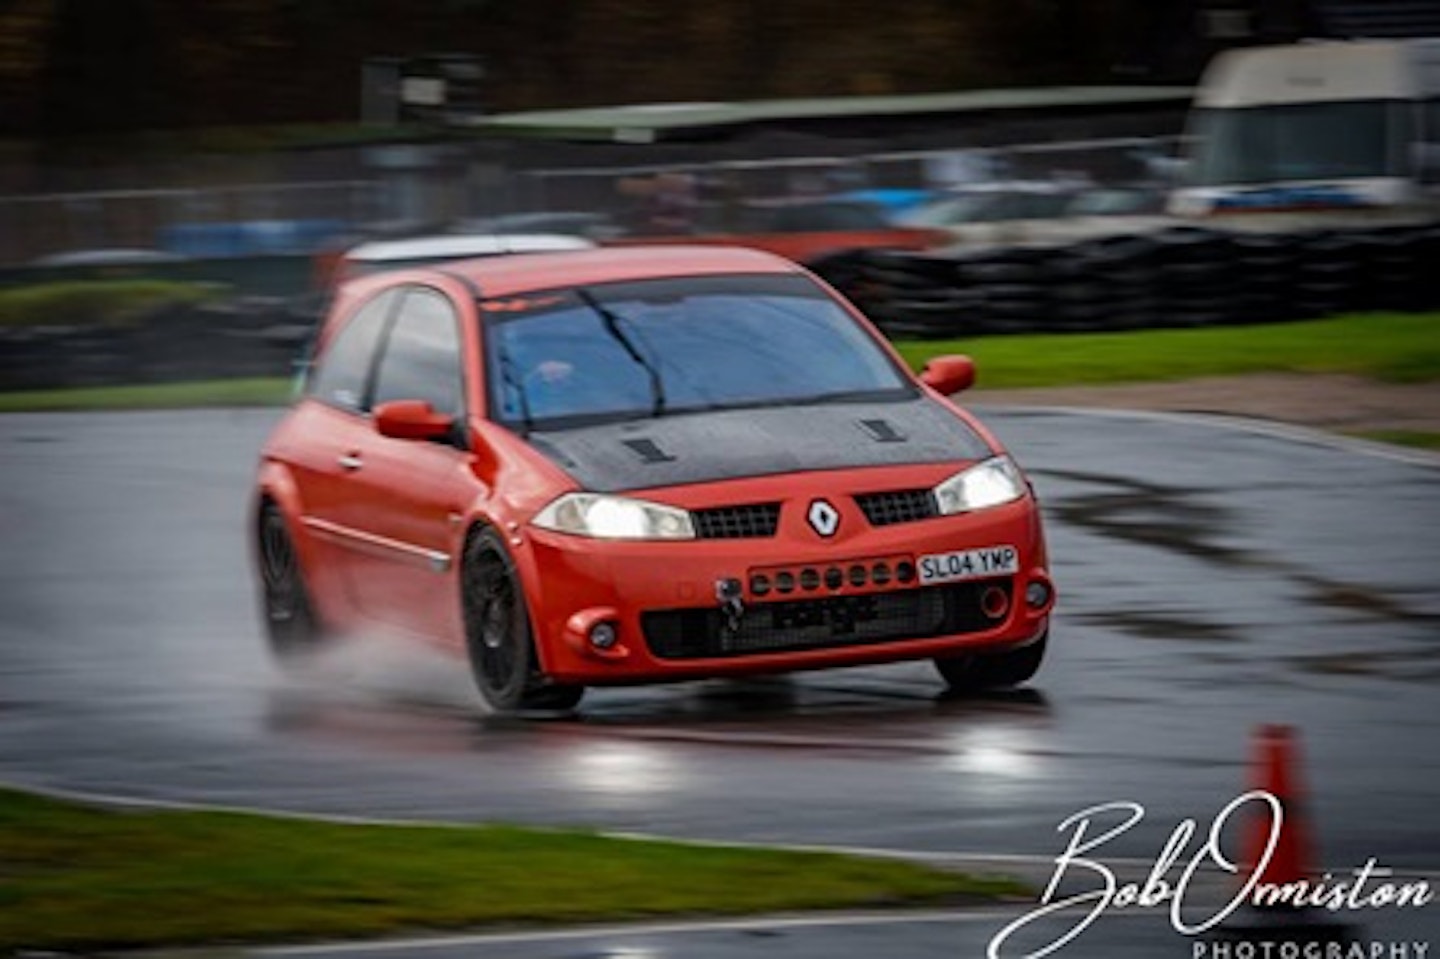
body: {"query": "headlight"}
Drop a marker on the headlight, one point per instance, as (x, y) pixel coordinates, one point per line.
(990, 483)
(614, 517)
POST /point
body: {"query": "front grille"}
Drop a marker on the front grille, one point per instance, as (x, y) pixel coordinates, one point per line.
(897, 506)
(752, 521)
(821, 623)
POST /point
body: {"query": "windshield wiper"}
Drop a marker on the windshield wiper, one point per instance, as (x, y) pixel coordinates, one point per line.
(612, 326)
(516, 383)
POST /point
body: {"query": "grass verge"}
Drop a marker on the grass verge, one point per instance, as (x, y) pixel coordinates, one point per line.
(1394, 347)
(96, 301)
(75, 877)
(259, 391)
(1420, 439)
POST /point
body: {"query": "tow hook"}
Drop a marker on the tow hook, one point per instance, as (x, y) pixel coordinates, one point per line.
(727, 593)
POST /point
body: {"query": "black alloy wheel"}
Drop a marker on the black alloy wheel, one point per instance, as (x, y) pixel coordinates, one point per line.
(290, 623)
(498, 636)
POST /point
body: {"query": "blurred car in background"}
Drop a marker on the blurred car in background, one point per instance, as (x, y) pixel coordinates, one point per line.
(637, 466)
(592, 226)
(805, 230)
(808, 215)
(1117, 201)
(1039, 213)
(107, 257)
(892, 200)
(993, 202)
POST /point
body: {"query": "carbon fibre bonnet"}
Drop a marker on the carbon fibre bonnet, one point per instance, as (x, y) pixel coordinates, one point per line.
(685, 448)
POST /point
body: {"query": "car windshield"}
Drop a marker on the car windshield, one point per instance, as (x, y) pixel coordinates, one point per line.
(629, 350)
(1308, 141)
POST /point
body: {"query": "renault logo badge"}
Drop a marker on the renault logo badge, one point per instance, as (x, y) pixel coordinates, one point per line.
(824, 518)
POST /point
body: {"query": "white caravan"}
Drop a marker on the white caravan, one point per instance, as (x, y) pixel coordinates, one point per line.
(1350, 127)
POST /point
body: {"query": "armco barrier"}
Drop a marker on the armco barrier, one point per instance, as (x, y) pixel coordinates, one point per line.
(1182, 277)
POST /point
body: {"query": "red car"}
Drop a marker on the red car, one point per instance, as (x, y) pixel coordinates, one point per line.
(642, 465)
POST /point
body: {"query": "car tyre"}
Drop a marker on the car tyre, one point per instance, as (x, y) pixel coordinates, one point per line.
(290, 622)
(980, 671)
(498, 637)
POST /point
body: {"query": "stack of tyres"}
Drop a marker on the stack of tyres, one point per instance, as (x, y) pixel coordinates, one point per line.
(1196, 288)
(1079, 287)
(874, 282)
(845, 271)
(1263, 270)
(1135, 266)
(1108, 284)
(1384, 269)
(910, 294)
(1180, 277)
(1394, 273)
(1427, 255)
(1329, 274)
(1010, 282)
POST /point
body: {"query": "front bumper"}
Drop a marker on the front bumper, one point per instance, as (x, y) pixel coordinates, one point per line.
(670, 624)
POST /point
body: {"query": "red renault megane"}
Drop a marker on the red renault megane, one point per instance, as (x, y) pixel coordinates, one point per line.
(642, 465)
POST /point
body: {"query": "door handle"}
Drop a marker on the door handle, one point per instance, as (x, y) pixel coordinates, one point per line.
(350, 462)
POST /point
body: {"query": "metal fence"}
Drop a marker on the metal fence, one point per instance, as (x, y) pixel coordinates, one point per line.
(613, 189)
(37, 226)
(275, 218)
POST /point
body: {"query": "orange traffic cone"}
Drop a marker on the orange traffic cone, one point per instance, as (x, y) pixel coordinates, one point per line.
(1276, 769)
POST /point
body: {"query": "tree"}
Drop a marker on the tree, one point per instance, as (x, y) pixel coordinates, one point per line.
(104, 70)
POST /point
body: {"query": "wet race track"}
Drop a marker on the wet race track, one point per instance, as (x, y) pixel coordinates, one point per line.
(1211, 579)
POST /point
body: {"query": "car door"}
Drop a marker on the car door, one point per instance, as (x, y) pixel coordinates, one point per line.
(330, 427)
(409, 496)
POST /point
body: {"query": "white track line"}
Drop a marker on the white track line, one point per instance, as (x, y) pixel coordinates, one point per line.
(872, 852)
(788, 921)
(952, 857)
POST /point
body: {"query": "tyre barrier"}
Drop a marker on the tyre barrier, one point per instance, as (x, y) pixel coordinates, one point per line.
(254, 337)
(1181, 277)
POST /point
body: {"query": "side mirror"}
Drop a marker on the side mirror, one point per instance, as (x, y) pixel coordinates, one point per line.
(412, 420)
(949, 374)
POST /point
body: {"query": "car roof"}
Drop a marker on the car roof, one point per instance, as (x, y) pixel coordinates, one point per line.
(502, 276)
(463, 245)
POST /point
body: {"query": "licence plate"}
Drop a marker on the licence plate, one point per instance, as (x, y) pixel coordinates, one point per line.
(969, 564)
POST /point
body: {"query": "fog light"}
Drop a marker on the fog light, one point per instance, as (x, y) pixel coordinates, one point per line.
(994, 603)
(603, 635)
(1037, 595)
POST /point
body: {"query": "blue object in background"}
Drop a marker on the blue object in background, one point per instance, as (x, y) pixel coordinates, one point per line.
(250, 237)
(892, 199)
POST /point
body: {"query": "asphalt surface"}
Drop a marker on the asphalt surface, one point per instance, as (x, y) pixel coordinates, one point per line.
(1211, 580)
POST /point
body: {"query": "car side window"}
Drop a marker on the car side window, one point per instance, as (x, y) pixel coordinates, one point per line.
(421, 357)
(344, 367)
